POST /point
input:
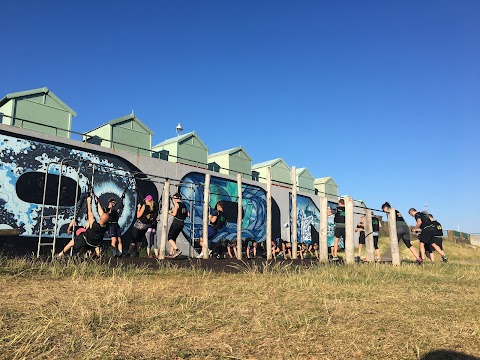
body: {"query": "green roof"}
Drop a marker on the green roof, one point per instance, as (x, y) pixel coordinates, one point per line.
(269, 163)
(131, 117)
(300, 171)
(180, 138)
(124, 118)
(230, 151)
(324, 180)
(43, 90)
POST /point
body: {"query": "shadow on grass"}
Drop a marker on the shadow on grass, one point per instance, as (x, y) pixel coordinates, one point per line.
(447, 355)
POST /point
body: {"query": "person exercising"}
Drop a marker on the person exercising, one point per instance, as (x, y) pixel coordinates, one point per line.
(93, 236)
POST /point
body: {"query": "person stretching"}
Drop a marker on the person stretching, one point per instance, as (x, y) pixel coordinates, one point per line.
(93, 236)
(179, 213)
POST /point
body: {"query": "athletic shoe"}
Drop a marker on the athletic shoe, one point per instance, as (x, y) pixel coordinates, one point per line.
(445, 258)
(200, 256)
(335, 258)
(176, 253)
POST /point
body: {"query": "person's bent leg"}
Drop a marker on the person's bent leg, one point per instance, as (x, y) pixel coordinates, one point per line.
(66, 248)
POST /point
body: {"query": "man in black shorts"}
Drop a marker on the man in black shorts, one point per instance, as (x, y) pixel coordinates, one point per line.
(339, 227)
(427, 236)
(113, 226)
(438, 237)
(93, 236)
(179, 213)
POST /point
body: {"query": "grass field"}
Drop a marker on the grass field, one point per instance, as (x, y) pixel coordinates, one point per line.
(83, 310)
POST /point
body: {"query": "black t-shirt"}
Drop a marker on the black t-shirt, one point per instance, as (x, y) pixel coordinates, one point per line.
(375, 224)
(399, 218)
(148, 215)
(362, 231)
(426, 223)
(182, 211)
(96, 233)
(340, 215)
(438, 228)
(113, 215)
(220, 221)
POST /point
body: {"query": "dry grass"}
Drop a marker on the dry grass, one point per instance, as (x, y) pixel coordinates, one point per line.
(86, 311)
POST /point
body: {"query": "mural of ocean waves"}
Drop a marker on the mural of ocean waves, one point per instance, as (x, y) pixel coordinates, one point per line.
(254, 208)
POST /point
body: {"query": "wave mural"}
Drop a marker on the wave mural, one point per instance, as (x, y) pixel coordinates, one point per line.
(254, 207)
(24, 162)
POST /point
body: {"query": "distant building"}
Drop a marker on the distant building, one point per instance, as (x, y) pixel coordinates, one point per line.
(127, 133)
(305, 181)
(327, 187)
(231, 162)
(184, 149)
(281, 172)
(38, 109)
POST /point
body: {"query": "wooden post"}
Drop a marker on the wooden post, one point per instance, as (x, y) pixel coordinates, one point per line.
(349, 231)
(294, 213)
(239, 217)
(165, 203)
(269, 213)
(206, 203)
(369, 236)
(392, 228)
(323, 240)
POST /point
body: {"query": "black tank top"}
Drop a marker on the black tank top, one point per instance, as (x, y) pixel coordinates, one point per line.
(182, 212)
(148, 215)
(220, 222)
(95, 234)
(375, 224)
(426, 223)
(340, 215)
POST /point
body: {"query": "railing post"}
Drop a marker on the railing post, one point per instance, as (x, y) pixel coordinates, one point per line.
(165, 203)
(206, 203)
(294, 213)
(269, 213)
(239, 217)
(392, 229)
(349, 231)
(369, 236)
(323, 238)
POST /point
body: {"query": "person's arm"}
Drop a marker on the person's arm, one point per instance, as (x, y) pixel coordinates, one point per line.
(71, 226)
(99, 208)
(418, 224)
(212, 218)
(174, 210)
(91, 217)
(140, 210)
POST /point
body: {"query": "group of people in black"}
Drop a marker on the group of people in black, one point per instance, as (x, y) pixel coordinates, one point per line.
(89, 238)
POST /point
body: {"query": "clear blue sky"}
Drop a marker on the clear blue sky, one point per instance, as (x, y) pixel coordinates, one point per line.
(384, 96)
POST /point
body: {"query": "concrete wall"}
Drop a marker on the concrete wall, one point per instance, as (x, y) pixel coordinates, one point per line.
(475, 239)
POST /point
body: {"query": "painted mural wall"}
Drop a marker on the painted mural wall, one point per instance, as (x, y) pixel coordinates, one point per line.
(24, 163)
(24, 159)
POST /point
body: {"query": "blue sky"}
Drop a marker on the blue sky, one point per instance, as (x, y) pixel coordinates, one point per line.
(384, 96)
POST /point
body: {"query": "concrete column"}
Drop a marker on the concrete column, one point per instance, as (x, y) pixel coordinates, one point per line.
(323, 245)
(392, 228)
(349, 231)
